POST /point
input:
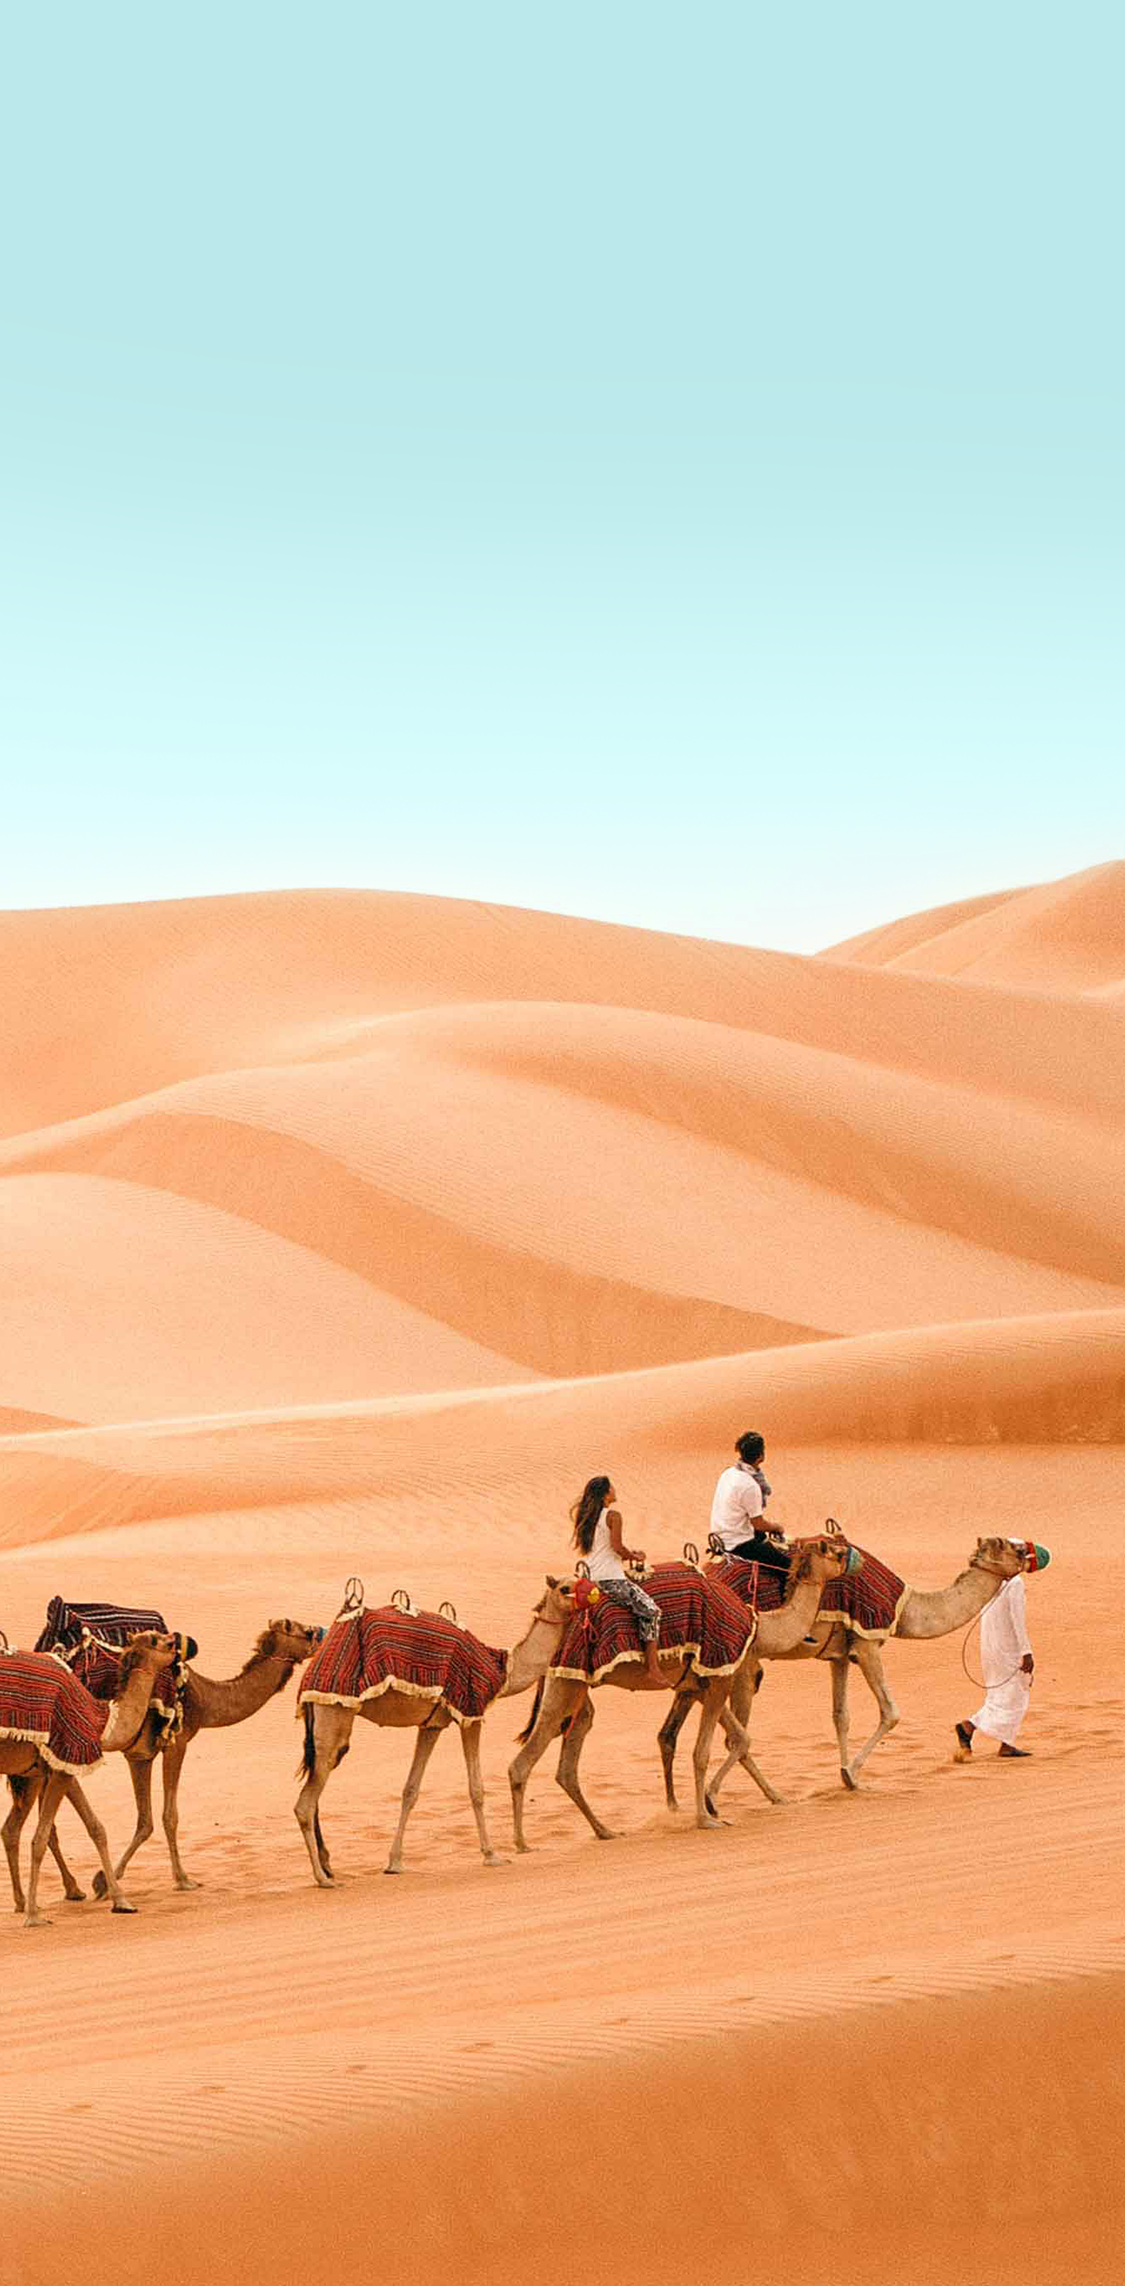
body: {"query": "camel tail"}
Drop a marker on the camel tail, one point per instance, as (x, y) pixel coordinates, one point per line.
(307, 1763)
(523, 1735)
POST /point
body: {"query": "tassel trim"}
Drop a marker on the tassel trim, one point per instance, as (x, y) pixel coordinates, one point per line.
(431, 1691)
(70, 1769)
(670, 1651)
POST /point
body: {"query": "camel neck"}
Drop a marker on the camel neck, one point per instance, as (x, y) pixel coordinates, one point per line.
(127, 1713)
(216, 1705)
(781, 1631)
(529, 1659)
(942, 1610)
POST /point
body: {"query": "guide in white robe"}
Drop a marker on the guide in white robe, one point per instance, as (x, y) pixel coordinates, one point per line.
(1004, 1643)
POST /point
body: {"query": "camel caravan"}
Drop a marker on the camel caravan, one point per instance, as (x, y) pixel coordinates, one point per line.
(103, 1678)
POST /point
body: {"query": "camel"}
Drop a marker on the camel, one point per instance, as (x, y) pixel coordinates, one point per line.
(925, 1613)
(21, 1760)
(328, 1729)
(563, 1705)
(284, 1645)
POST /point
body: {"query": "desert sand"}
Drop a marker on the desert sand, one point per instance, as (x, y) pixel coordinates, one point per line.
(349, 1233)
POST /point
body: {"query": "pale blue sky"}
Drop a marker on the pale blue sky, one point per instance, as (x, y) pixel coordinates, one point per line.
(661, 462)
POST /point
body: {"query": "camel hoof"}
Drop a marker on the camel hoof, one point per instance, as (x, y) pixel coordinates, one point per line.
(849, 1779)
(188, 1883)
(493, 1859)
(393, 1869)
(604, 1834)
(101, 1886)
(76, 1897)
(122, 1905)
(37, 1921)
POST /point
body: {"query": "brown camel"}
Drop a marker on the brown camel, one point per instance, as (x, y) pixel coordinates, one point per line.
(564, 1705)
(328, 1729)
(924, 1614)
(34, 1777)
(284, 1645)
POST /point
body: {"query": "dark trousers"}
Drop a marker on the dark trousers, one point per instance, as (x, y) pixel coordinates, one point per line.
(760, 1549)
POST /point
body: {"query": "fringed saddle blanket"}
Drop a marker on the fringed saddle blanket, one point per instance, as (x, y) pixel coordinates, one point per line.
(869, 1602)
(419, 1652)
(760, 1586)
(43, 1704)
(699, 1618)
(66, 1623)
(97, 1663)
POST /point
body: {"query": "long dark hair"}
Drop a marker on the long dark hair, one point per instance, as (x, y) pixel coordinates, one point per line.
(586, 1511)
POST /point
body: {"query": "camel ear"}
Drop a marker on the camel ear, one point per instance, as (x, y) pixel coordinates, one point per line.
(551, 1581)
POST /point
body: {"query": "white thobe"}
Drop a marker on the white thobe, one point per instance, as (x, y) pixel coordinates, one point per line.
(1004, 1641)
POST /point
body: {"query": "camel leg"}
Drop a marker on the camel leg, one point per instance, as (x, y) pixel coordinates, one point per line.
(871, 1668)
(327, 1732)
(567, 1773)
(51, 1790)
(559, 1701)
(428, 1737)
(96, 1831)
(734, 1717)
(840, 1716)
(71, 1891)
(667, 1736)
(173, 1770)
(470, 1747)
(714, 1703)
(140, 1774)
(24, 1794)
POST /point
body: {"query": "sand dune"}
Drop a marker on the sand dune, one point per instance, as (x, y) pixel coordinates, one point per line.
(345, 1232)
(1068, 936)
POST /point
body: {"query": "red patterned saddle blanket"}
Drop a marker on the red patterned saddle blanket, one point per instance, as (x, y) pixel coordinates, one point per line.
(92, 1636)
(419, 1652)
(46, 1706)
(869, 1601)
(699, 1617)
(760, 1586)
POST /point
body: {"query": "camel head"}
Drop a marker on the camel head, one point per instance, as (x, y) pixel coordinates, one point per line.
(1004, 1557)
(826, 1556)
(558, 1604)
(289, 1641)
(153, 1652)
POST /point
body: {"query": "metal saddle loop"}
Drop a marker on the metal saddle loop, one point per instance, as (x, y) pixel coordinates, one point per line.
(582, 1569)
(401, 1599)
(691, 1553)
(353, 1598)
(714, 1545)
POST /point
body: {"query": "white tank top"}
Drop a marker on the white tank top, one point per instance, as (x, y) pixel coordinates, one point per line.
(603, 1559)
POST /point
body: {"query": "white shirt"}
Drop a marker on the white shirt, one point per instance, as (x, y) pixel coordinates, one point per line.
(603, 1559)
(736, 1506)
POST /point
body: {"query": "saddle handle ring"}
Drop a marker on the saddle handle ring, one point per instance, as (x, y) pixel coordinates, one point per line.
(353, 1600)
(400, 1599)
(582, 1569)
(448, 1611)
(714, 1545)
(691, 1552)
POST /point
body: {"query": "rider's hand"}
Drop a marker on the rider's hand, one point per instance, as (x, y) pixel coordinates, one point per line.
(637, 1556)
